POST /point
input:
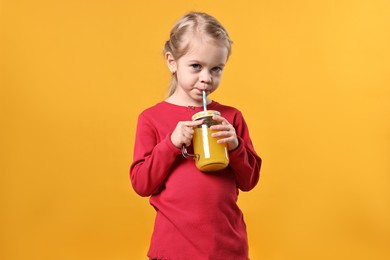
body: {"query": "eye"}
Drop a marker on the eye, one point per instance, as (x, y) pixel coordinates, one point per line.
(216, 69)
(196, 66)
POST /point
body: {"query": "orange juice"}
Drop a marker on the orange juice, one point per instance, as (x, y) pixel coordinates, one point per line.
(210, 155)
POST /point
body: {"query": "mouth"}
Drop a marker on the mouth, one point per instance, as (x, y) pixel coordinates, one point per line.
(200, 92)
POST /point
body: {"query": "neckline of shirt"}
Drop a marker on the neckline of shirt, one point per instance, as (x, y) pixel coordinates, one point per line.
(211, 105)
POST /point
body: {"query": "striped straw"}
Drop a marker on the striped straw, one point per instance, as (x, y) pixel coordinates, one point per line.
(204, 101)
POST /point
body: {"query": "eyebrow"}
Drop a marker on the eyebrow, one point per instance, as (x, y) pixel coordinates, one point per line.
(196, 61)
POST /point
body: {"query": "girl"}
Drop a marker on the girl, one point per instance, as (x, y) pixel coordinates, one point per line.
(197, 216)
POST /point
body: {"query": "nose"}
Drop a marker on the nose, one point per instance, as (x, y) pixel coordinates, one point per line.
(206, 78)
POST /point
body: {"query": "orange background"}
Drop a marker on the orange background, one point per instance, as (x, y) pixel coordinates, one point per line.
(311, 77)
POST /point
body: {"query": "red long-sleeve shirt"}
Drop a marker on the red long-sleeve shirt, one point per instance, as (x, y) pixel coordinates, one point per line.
(197, 216)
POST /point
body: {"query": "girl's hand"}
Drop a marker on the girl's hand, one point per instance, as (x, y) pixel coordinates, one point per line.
(226, 132)
(184, 132)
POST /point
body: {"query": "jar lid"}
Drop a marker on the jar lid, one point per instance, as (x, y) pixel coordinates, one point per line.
(206, 113)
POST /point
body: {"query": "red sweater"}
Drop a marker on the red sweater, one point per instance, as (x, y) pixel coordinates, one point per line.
(197, 216)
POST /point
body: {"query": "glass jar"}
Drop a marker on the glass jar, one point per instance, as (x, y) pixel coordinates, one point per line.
(208, 154)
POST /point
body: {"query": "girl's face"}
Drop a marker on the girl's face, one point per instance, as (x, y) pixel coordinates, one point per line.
(199, 69)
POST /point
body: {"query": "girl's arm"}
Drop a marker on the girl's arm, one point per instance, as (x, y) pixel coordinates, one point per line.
(246, 164)
(152, 159)
(244, 160)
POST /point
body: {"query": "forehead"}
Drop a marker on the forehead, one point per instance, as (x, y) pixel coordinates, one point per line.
(206, 49)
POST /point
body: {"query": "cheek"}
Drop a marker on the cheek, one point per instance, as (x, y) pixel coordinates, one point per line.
(216, 82)
(214, 87)
(187, 80)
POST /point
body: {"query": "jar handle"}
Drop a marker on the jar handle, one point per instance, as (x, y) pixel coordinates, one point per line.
(188, 155)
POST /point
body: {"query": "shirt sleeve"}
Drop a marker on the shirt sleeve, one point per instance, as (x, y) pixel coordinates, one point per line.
(244, 160)
(152, 159)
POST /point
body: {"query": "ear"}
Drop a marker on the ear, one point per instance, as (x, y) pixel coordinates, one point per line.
(171, 62)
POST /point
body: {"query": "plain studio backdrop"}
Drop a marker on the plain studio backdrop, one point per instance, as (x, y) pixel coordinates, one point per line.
(311, 78)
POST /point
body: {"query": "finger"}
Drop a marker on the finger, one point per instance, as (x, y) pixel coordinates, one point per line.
(194, 123)
(188, 133)
(225, 139)
(220, 127)
(222, 134)
(188, 143)
(190, 123)
(220, 119)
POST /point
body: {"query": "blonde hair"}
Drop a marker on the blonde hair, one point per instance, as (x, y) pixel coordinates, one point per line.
(193, 22)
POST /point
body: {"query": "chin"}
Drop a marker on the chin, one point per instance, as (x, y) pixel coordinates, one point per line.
(198, 99)
(197, 96)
